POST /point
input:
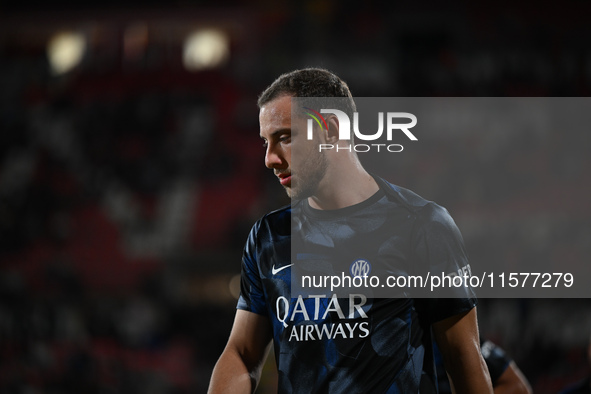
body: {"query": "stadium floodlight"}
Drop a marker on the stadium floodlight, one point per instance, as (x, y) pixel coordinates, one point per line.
(205, 49)
(65, 51)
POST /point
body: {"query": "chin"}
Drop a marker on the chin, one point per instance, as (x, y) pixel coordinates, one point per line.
(290, 192)
(296, 194)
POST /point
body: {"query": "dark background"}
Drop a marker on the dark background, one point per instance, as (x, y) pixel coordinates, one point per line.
(128, 184)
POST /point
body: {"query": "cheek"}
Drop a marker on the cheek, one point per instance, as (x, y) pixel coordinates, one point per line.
(307, 161)
(287, 154)
(303, 150)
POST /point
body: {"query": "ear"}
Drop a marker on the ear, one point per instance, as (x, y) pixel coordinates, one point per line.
(332, 134)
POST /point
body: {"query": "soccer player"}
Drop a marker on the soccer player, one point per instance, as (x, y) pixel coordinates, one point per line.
(343, 345)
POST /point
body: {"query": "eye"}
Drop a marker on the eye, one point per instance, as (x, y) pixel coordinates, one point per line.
(265, 144)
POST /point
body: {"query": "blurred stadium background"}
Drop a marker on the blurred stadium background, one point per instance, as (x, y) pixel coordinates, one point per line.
(131, 171)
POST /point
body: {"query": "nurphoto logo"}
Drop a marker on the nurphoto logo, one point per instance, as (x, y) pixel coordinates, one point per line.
(392, 124)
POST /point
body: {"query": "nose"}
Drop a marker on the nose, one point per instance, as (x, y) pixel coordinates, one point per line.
(273, 158)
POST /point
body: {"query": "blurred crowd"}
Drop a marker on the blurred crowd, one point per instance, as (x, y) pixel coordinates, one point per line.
(127, 188)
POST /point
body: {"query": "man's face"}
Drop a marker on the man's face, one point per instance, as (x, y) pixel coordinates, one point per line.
(281, 134)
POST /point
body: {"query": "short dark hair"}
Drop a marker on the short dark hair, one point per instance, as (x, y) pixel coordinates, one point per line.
(309, 82)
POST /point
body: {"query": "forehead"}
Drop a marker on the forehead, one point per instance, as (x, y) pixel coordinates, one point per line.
(276, 114)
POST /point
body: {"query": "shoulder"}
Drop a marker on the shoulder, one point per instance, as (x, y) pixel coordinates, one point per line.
(434, 232)
(274, 224)
(274, 219)
(277, 220)
(424, 210)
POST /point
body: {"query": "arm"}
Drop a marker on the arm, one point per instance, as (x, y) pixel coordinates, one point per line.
(457, 338)
(512, 381)
(239, 367)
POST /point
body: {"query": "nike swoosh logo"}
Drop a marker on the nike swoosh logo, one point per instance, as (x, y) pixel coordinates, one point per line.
(275, 271)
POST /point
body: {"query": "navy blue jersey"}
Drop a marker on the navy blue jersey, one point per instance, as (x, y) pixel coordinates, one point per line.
(354, 344)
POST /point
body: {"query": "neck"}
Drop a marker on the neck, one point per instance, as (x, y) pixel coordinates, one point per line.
(345, 183)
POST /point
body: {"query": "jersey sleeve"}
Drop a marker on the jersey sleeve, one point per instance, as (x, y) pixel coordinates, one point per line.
(439, 250)
(252, 296)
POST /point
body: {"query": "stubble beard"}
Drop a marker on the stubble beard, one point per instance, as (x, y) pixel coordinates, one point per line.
(308, 177)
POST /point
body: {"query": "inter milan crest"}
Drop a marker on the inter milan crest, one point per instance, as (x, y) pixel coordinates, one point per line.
(360, 268)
